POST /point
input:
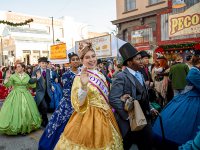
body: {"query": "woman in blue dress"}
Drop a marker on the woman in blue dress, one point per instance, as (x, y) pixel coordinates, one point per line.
(192, 144)
(57, 94)
(63, 112)
(181, 117)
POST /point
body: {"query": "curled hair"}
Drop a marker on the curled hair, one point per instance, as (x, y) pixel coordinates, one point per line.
(21, 64)
(163, 63)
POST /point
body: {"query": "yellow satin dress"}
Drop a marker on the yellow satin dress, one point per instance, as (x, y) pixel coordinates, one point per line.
(92, 125)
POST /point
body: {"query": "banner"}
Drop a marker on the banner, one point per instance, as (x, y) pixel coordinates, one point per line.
(101, 45)
(58, 51)
(185, 23)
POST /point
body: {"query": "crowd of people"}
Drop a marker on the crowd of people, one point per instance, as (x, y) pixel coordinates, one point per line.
(92, 101)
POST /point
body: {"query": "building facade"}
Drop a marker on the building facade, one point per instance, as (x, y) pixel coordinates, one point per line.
(28, 42)
(137, 22)
(156, 26)
(179, 29)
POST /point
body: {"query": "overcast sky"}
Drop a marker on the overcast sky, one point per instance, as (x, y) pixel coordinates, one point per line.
(96, 13)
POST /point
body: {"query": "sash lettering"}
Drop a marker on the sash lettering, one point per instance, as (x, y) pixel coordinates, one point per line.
(99, 84)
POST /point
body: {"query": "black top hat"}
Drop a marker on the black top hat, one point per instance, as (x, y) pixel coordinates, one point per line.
(43, 59)
(127, 52)
(144, 54)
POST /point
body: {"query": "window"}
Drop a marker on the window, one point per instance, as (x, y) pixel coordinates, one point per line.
(125, 35)
(151, 2)
(130, 5)
(142, 36)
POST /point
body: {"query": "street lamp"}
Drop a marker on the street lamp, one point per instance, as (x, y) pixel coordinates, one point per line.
(52, 21)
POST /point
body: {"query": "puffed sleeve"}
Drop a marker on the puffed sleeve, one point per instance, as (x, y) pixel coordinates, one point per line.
(79, 103)
(9, 82)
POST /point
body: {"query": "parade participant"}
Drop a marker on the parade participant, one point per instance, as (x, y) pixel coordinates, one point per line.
(181, 117)
(57, 93)
(29, 71)
(3, 90)
(64, 110)
(177, 75)
(4, 70)
(148, 79)
(92, 124)
(19, 113)
(58, 72)
(145, 71)
(1, 76)
(161, 83)
(192, 144)
(41, 76)
(118, 69)
(131, 82)
(188, 60)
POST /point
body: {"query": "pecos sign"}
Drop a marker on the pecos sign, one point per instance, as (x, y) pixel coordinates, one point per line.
(185, 23)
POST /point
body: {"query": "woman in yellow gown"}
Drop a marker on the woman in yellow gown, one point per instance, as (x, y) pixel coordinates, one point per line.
(92, 125)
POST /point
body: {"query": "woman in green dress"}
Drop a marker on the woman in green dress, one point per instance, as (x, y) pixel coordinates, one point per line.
(19, 113)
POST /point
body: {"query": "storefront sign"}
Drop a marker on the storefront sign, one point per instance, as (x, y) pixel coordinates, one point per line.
(58, 51)
(101, 45)
(185, 23)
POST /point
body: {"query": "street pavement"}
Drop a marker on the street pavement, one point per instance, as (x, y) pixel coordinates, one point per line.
(25, 142)
(21, 142)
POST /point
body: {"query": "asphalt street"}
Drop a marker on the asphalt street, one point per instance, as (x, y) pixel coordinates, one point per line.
(25, 142)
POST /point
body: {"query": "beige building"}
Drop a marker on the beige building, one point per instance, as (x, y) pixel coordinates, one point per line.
(28, 42)
(137, 21)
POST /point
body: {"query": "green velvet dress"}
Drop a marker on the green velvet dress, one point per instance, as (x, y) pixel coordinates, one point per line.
(19, 113)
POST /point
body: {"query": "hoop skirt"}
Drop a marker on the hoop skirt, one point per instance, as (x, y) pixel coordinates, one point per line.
(92, 125)
(60, 117)
(181, 117)
(19, 113)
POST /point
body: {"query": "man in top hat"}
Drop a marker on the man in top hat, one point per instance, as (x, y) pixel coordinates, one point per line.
(41, 76)
(145, 70)
(130, 82)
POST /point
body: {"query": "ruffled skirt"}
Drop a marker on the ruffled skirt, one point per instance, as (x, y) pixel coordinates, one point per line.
(95, 129)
